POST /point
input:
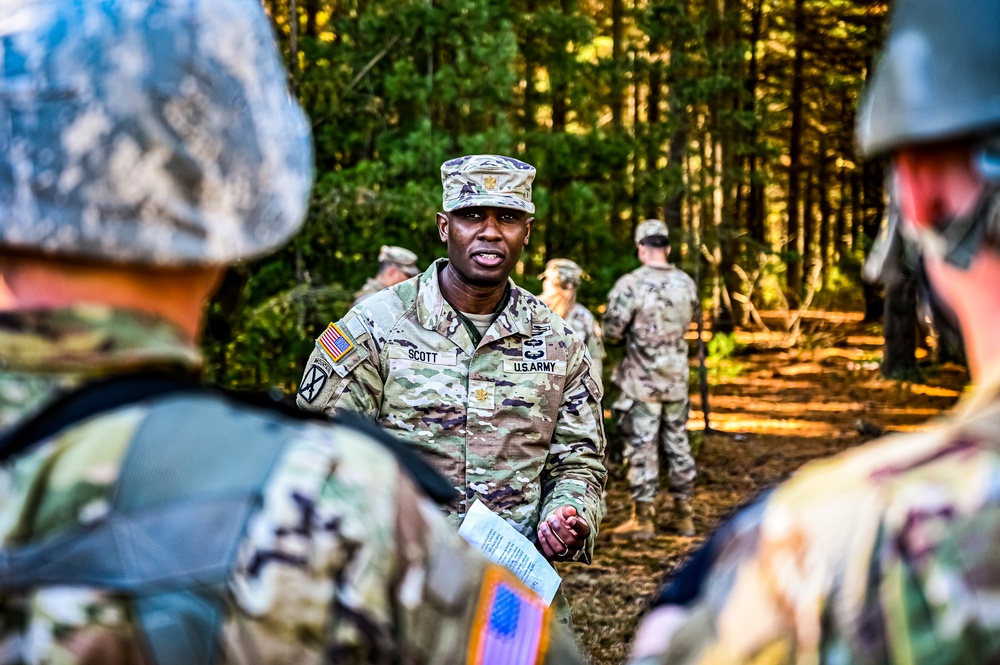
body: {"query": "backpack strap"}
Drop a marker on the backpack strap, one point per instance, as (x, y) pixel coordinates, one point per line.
(191, 479)
(120, 391)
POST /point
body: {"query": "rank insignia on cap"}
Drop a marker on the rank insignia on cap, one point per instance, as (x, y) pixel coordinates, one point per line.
(335, 342)
(489, 182)
(511, 626)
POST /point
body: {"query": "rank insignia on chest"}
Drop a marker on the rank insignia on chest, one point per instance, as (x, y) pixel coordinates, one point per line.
(481, 395)
(335, 342)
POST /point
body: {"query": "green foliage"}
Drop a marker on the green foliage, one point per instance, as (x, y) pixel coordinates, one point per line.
(722, 346)
(618, 104)
(719, 360)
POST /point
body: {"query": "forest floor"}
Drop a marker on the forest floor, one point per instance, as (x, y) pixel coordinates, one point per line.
(776, 408)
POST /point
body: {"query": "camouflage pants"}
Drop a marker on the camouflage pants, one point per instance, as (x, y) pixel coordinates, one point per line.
(647, 426)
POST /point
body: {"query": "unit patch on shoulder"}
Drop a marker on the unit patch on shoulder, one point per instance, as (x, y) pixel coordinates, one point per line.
(335, 342)
(312, 383)
(511, 625)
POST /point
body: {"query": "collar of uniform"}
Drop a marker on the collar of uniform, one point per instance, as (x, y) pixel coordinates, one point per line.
(516, 317)
(91, 341)
(435, 313)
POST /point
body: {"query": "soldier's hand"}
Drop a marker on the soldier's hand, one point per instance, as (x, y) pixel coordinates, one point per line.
(563, 533)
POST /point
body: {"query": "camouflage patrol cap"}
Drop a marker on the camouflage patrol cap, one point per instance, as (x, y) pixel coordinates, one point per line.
(487, 180)
(400, 257)
(567, 273)
(651, 227)
(147, 132)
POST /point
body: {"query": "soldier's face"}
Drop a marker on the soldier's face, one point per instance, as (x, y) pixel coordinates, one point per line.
(484, 244)
(935, 182)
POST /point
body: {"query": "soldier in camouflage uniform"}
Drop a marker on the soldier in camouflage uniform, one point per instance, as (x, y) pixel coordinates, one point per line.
(560, 282)
(395, 265)
(127, 182)
(650, 310)
(477, 374)
(887, 553)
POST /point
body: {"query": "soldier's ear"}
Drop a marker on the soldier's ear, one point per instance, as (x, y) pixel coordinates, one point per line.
(442, 224)
(529, 224)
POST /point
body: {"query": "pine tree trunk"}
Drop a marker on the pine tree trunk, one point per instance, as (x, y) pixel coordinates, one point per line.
(824, 186)
(796, 104)
(528, 120)
(755, 198)
(808, 223)
(677, 154)
(653, 141)
(619, 168)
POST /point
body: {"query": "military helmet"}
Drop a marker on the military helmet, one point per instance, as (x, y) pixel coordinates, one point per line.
(566, 273)
(400, 257)
(938, 77)
(145, 132)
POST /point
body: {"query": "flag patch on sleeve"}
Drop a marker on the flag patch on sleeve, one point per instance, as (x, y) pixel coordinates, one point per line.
(511, 624)
(335, 342)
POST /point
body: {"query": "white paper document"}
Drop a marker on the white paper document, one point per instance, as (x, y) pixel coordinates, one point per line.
(502, 544)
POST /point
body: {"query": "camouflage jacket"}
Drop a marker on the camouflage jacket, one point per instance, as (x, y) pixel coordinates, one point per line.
(345, 560)
(586, 327)
(888, 553)
(650, 309)
(371, 287)
(515, 420)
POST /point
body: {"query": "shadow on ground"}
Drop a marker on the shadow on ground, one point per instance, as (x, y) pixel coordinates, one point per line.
(788, 406)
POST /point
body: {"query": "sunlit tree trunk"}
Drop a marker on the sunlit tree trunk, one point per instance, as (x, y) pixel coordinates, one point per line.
(825, 207)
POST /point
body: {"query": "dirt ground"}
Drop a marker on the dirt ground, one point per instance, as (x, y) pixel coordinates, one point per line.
(776, 409)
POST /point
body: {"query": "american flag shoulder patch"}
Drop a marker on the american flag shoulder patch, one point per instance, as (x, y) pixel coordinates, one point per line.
(511, 625)
(335, 342)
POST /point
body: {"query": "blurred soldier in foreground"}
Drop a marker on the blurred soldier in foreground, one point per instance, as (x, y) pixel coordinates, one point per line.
(477, 374)
(888, 553)
(560, 281)
(146, 518)
(650, 310)
(395, 264)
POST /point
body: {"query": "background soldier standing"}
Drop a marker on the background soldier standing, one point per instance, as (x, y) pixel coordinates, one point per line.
(475, 373)
(145, 518)
(887, 553)
(395, 265)
(650, 310)
(560, 282)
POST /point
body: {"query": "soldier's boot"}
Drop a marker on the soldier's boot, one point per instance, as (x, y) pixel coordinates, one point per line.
(681, 522)
(639, 526)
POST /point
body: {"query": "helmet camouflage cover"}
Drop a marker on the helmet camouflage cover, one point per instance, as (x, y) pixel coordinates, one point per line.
(937, 78)
(400, 257)
(147, 132)
(567, 273)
